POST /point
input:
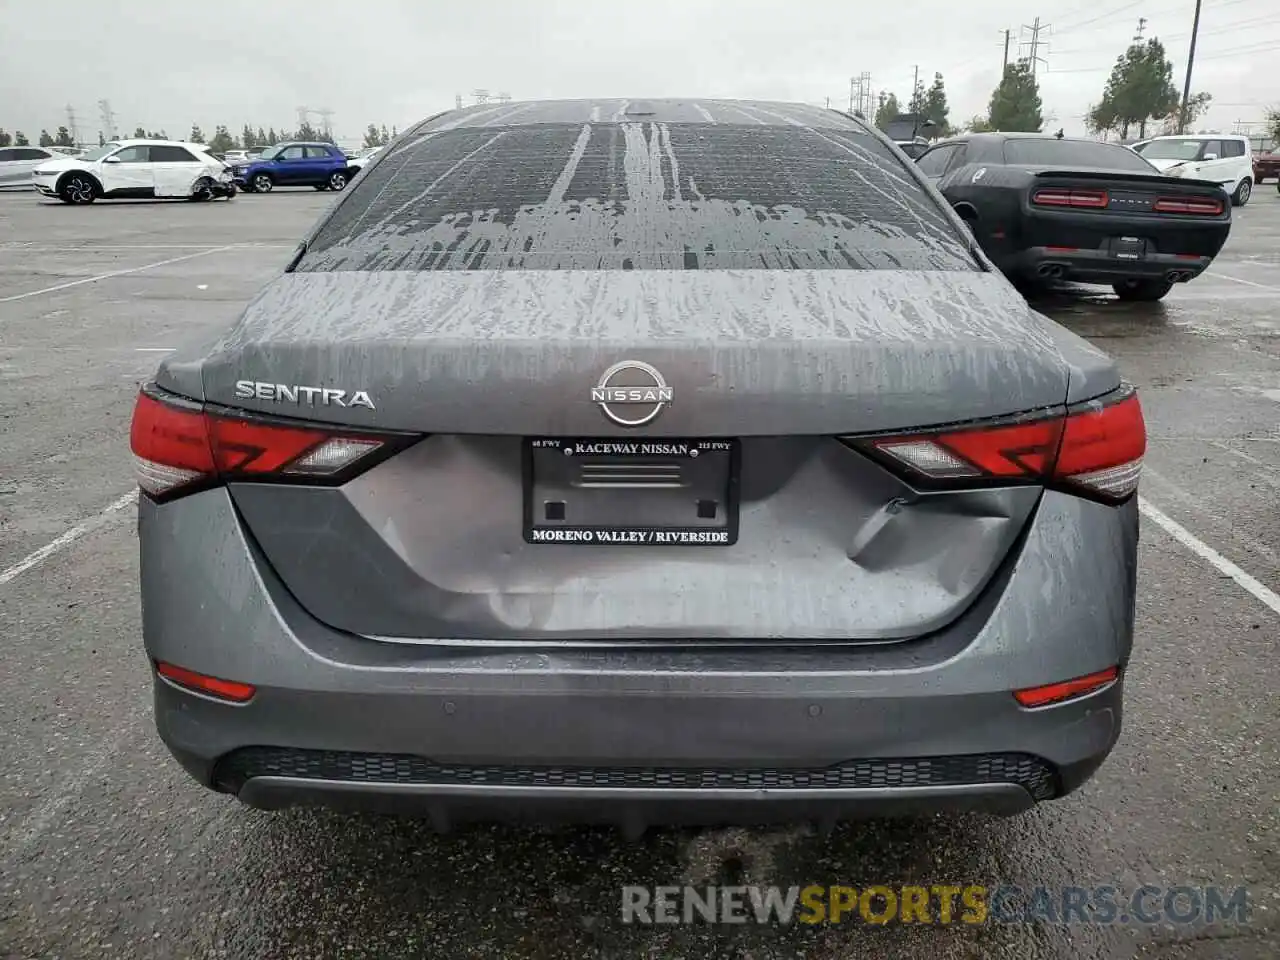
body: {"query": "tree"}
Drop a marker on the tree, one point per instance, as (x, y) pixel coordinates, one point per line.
(45, 139)
(1197, 106)
(248, 138)
(935, 108)
(978, 124)
(260, 138)
(1139, 90)
(222, 140)
(1273, 124)
(20, 139)
(1015, 103)
(307, 132)
(888, 111)
(196, 135)
(140, 134)
(386, 137)
(5, 139)
(272, 139)
(371, 137)
(102, 141)
(64, 139)
(394, 133)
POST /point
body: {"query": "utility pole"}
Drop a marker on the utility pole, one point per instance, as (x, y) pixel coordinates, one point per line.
(1186, 83)
(1008, 34)
(1036, 43)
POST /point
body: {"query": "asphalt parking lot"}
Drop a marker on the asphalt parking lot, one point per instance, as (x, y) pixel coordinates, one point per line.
(106, 849)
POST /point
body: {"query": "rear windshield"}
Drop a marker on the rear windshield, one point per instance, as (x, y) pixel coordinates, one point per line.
(1171, 149)
(1074, 153)
(638, 196)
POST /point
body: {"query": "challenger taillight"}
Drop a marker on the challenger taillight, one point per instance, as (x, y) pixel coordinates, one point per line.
(1094, 449)
(1070, 197)
(1193, 206)
(180, 446)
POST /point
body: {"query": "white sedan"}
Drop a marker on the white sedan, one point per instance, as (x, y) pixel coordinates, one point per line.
(17, 163)
(135, 168)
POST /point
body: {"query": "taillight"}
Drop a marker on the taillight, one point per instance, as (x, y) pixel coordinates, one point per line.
(1063, 197)
(1094, 449)
(180, 446)
(1195, 206)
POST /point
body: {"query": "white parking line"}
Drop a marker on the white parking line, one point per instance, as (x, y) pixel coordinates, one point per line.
(115, 273)
(71, 536)
(1248, 283)
(1208, 554)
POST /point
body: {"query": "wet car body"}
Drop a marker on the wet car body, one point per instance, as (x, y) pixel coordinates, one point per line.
(1046, 208)
(556, 479)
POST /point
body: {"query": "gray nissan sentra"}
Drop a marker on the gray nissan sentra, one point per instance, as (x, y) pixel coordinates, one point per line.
(648, 462)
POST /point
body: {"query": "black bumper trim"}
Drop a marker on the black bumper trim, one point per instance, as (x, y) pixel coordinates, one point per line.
(1036, 776)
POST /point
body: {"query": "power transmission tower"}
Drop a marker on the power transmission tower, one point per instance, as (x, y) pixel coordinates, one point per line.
(108, 119)
(861, 99)
(304, 113)
(326, 121)
(72, 127)
(504, 97)
(1035, 43)
(1142, 27)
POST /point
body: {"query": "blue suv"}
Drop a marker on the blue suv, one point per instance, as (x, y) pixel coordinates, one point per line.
(319, 165)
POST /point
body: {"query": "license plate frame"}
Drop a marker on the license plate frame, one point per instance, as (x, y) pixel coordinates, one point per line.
(1129, 248)
(663, 487)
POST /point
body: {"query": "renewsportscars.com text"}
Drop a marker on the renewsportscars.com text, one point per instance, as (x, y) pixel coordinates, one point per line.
(938, 904)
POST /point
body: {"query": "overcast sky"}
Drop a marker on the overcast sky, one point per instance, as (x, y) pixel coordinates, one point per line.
(169, 63)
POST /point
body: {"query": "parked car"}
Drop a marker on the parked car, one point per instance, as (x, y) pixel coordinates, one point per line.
(773, 502)
(232, 157)
(1266, 164)
(125, 169)
(320, 165)
(18, 163)
(1225, 159)
(913, 148)
(1050, 208)
(361, 159)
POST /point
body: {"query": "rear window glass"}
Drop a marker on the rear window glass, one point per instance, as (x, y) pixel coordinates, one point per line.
(1074, 153)
(642, 196)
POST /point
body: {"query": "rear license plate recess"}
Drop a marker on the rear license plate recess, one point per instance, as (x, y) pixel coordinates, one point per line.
(653, 492)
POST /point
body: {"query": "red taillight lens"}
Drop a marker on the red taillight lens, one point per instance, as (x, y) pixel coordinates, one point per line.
(181, 446)
(1102, 448)
(1196, 206)
(1061, 197)
(1095, 449)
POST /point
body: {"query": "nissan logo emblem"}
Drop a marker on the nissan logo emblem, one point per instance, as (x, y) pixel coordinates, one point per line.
(636, 386)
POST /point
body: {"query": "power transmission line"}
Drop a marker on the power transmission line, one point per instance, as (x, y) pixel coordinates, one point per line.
(1125, 8)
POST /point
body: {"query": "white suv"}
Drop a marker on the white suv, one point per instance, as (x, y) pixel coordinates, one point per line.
(134, 168)
(1221, 157)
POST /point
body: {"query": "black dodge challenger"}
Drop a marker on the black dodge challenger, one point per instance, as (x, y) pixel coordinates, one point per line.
(1047, 208)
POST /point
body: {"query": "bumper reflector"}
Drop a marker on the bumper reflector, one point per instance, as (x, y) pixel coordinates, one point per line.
(1067, 689)
(229, 690)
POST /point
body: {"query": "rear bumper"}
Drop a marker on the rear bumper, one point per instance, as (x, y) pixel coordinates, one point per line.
(641, 736)
(1099, 266)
